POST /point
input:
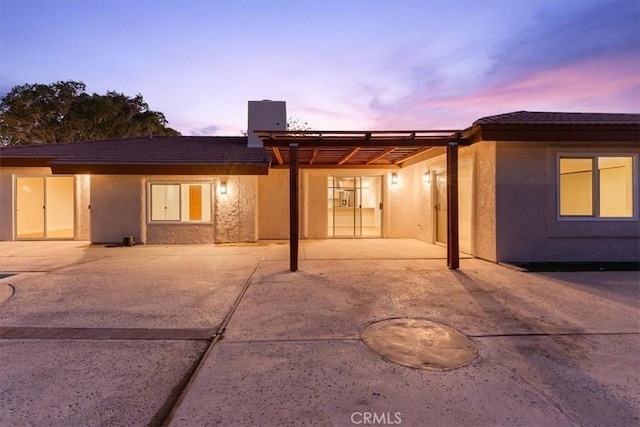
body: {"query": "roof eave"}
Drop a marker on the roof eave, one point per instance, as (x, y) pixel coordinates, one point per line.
(28, 162)
(545, 132)
(159, 169)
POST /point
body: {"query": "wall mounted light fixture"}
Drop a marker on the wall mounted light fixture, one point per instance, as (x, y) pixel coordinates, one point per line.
(427, 177)
(223, 188)
(394, 179)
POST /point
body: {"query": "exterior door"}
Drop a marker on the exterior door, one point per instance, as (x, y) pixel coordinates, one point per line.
(30, 208)
(465, 200)
(441, 207)
(354, 208)
(45, 207)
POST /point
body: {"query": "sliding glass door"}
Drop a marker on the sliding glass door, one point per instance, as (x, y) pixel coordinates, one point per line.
(45, 207)
(354, 206)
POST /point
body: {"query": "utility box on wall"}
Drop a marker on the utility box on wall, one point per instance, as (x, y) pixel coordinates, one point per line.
(265, 115)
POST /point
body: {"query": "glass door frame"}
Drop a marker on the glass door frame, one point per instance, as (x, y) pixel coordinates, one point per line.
(438, 206)
(353, 195)
(45, 217)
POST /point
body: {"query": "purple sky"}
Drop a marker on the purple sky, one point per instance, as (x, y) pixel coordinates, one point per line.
(338, 64)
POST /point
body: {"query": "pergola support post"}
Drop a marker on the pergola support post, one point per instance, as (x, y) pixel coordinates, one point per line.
(293, 207)
(453, 243)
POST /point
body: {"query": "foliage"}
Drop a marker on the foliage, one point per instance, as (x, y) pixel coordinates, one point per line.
(297, 124)
(293, 124)
(64, 112)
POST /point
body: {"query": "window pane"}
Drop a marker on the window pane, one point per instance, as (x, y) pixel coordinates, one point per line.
(165, 202)
(60, 206)
(616, 182)
(206, 202)
(30, 208)
(195, 203)
(576, 187)
(184, 202)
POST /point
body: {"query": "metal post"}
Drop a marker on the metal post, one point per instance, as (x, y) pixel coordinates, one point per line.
(453, 243)
(293, 207)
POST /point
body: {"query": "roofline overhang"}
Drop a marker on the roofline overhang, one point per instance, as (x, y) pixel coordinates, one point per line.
(31, 162)
(545, 132)
(146, 169)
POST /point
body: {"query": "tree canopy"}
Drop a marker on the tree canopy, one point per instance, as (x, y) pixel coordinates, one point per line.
(294, 124)
(64, 112)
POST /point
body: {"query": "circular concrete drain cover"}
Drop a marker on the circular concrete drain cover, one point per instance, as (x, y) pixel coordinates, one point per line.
(419, 343)
(6, 292)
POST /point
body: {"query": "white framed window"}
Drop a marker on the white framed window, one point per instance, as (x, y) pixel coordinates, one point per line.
(602, 186)
(180, 202)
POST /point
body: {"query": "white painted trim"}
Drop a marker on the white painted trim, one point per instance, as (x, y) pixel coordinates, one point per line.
(180, 183)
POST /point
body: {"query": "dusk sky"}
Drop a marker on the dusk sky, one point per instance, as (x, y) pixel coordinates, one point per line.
(339, 64)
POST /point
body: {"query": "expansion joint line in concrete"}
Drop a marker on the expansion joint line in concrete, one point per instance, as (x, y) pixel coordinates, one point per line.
(217, 336)
(77, 263)
(551, 334)
(293, 340)
(52, 333)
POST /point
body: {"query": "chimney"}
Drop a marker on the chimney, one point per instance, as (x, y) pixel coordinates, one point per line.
(265, 115)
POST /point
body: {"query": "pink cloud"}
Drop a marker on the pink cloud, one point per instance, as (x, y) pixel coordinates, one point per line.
(603, 85)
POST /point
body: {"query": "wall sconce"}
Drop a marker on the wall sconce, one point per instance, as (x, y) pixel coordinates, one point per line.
(394, 179)
(223, 188)
(427, 177)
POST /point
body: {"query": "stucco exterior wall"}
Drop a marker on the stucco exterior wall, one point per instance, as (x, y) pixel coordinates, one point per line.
(7, 201)
(117, 208)
(314, 211)
(6, 197)
(82, 208)
(236, 214)
(528, 228)
(273, 204)
(477, 220)
(120, 208)
(168, 234)
(483, 227)
(408, 205)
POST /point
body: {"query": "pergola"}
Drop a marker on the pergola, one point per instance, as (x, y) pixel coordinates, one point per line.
(297, 150)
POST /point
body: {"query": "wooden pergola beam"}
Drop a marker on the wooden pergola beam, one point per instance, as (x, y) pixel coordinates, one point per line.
(336, 166)
(294, 213)
(373, 143)
(313, 155)
(412, 155)
(453, 242)
(349, 155)
(424, 138)
(381, 155)
(276, 152)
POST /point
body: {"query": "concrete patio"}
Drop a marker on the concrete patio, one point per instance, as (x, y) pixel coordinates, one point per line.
(111, 336)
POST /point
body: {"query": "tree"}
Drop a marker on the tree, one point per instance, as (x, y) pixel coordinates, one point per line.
(293, 124)
(64, 112)
(297, 124)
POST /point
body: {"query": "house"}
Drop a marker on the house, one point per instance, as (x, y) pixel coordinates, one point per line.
(516, 187)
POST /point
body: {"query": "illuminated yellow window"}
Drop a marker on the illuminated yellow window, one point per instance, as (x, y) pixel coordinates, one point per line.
(599, 186)
(616, 186)
(195, 203)
(180, 202)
